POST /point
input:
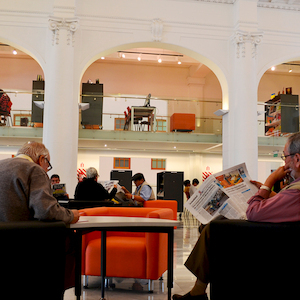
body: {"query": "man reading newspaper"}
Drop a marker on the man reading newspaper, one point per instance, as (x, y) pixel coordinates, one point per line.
(264, 206)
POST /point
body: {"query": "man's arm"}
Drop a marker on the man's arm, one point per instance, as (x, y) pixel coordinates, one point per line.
(42, 202)
(283, 207)
(144, 194)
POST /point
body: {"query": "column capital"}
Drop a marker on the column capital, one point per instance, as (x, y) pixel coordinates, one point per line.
(157, 27)
(69, 24)
(240, 38)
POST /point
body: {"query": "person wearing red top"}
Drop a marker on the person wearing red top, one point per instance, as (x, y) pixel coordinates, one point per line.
(264, 206)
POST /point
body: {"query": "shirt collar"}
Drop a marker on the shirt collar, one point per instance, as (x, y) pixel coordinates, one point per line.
(25, 157)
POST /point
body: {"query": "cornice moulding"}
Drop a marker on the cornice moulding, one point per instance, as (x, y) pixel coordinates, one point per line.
(279, 5)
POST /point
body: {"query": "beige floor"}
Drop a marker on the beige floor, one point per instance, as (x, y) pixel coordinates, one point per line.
(185, 237)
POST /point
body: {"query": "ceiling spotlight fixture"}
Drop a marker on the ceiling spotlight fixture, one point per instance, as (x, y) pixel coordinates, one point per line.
(102, 57)
(159, 60)
(139, 58)
(290, 70)
(15, 52)
(273, 68)
(123, 55)
(179, 62)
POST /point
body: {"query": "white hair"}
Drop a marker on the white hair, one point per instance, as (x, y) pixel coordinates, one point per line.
(34, 150)
(91, 173)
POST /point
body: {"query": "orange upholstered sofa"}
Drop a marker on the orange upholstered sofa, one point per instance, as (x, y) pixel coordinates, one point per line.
(163, 204)
(129, 254)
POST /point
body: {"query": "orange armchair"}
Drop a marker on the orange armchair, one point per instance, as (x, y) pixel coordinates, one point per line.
(129, 254)
(163, 204)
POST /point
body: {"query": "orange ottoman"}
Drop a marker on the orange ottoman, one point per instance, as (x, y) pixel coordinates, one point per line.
(182, 122)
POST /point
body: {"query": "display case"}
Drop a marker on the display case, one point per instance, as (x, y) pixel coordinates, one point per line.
(170, 187)
(282, 115)
(124, 178)
(37, 113)
(92, 93)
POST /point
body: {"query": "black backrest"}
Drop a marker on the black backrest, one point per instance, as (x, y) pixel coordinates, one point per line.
(32, 260)
(252, 260)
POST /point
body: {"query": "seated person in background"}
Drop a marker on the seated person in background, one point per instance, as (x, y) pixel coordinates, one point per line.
(143, 190)
(193, 187)
(264, 206)
(187, 185)
(56, 180)
(90, 189)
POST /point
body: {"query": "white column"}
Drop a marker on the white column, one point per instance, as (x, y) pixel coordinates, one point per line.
(60, 133)
(240, 142)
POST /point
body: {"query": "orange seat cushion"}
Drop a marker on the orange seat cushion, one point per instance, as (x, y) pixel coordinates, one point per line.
(119, 262)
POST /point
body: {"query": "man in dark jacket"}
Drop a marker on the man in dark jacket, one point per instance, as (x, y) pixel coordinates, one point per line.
(90, 189)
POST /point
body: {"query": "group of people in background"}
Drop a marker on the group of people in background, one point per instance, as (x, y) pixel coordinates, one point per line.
(190, 189)
(90, 189)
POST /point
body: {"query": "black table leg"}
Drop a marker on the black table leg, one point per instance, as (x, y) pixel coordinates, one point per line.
(103, 262)
(170, 261)
(78, 243)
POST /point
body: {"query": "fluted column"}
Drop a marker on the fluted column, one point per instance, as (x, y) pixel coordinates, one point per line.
(61, 103)
(240, 142)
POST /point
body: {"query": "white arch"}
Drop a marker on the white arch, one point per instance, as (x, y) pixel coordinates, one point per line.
(275, 62)
(26, 49)
(205, 60)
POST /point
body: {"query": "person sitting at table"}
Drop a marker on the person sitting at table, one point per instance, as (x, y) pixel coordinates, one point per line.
(55, 179)
(26, 195)
(143, 190)
(90, 189)
(264, 206)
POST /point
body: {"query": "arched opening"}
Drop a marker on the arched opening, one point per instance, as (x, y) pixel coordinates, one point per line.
(19, 69)
(277, 78)
(186, 80)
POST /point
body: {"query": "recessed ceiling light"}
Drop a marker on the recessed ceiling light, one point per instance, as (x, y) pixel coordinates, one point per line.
(15, 52)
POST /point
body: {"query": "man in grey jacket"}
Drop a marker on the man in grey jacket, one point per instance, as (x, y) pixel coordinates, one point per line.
(25, 194)
(25, 191)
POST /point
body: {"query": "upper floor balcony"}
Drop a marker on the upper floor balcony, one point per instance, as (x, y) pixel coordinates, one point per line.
(121, 126)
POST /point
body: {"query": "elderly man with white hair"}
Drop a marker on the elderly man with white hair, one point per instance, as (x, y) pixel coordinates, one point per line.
(25, 188)
(90, 189)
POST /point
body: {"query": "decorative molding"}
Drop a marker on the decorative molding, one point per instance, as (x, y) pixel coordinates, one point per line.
(279, 5)
(157, 27)
(56, 24)
(243, 37)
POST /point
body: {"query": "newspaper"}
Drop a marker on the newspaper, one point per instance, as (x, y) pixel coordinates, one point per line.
(225, 193)
(109, 185)
(120, 194)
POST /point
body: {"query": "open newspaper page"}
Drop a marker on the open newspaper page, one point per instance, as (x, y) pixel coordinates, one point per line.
(120, 194)
(225, 193)
(109, 185)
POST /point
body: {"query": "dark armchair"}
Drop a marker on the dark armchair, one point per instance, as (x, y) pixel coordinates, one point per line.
(32, 260)
(252, 260)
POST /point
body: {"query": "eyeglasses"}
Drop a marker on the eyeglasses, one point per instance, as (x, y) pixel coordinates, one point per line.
(283, 156)
(49, 165)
